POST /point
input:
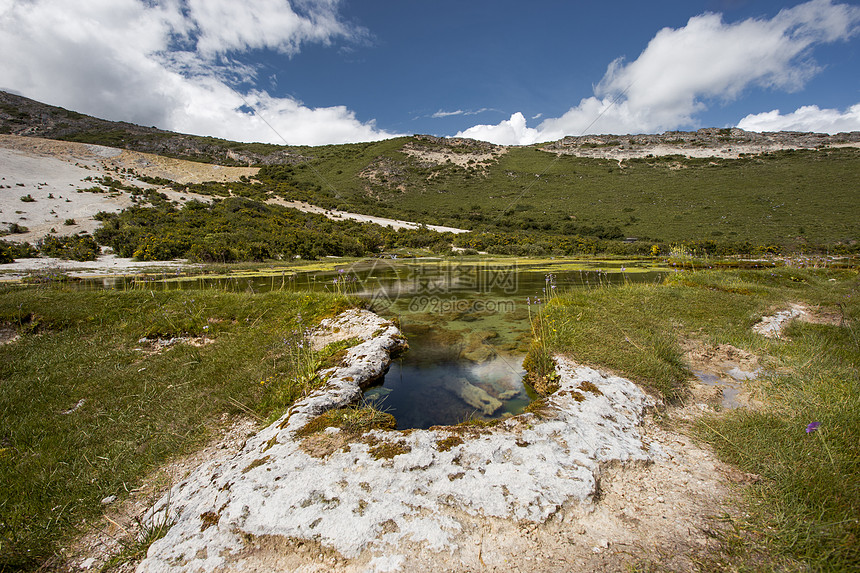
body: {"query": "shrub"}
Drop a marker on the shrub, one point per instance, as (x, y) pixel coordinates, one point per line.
(81, 247)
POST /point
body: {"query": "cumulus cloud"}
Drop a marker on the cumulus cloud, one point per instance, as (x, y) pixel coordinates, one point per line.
(806, 118)
(167, 63)
(512, 131)
(683, 70)
(224, 25)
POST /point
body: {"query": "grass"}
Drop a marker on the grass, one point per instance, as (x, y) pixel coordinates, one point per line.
(785, 198)
(808, 504)
(806, 508)
(89, 408)
(353, 420)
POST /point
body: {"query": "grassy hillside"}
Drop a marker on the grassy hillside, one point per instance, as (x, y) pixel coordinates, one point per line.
(788, 200)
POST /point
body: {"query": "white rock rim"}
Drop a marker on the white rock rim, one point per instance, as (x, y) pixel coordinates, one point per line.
(355, 502)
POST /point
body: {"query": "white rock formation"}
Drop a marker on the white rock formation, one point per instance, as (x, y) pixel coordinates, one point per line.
(771, 326)
(356, 501)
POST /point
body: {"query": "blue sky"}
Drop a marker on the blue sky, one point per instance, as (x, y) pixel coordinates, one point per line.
(329, 71)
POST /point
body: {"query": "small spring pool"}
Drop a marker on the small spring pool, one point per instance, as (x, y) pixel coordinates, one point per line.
(421, 393)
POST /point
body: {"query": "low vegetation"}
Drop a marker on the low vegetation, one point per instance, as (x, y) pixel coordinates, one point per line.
(240, 229)
(104, 386)
(353, 421)
(804, 439)
(81, 247)
(9, 251)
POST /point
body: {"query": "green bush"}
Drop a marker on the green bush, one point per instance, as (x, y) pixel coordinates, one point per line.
(80, 247)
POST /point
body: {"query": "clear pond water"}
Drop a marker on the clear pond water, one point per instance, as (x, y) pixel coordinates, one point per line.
(467, 325)
(468, 329)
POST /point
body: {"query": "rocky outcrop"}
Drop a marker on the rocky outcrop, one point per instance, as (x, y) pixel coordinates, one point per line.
(390, 494)
(363, 365)
(707, 142)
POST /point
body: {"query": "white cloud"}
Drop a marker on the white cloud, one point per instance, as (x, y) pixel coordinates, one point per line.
(154, 63)
(512, 131)
(806, 118)
(682, 70)
(224, 25)
(442, 113)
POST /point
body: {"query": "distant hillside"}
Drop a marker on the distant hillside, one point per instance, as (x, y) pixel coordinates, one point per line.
(24, 116)
(724, 190)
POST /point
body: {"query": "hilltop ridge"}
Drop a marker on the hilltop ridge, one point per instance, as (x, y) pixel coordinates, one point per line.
(27, 117)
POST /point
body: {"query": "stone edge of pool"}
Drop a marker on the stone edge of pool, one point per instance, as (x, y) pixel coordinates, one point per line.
(356, 503)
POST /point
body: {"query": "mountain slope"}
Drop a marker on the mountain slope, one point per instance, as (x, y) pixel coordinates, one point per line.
(712, 186)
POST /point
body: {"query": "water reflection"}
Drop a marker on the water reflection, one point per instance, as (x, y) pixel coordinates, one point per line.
(421, 394)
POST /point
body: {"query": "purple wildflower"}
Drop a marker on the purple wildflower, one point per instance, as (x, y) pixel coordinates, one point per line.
(812, 427)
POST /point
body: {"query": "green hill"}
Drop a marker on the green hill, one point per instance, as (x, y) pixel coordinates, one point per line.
(783, 200)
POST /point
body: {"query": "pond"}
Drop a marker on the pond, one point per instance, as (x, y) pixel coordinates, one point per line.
(468, 327)
(467, 323)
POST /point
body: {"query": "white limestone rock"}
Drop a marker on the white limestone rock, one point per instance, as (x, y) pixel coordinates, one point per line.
(771, 326)
(355, 500)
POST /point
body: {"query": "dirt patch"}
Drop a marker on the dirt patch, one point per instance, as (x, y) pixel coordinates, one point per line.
(151, 346)
(477, 159)
(771, 326)
(721, 374)
(111, 159)
(177, 169)
(721, 356)
(325, 443)
(8, 334)
(336, 215)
